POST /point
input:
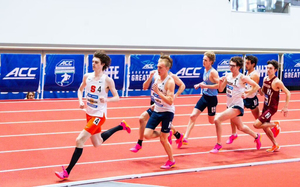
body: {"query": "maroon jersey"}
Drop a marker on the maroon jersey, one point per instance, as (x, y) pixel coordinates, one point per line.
(271, 96)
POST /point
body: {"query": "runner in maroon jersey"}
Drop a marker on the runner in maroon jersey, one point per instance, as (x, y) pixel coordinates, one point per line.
(271, 88)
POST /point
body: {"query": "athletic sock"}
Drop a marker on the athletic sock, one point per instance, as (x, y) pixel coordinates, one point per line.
(177, 135)
(105, 135)
(140, 142)
(76, 155)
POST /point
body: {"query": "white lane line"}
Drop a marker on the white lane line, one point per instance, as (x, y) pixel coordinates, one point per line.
(111, 108)
(139, 158)
(121, 118)
(128, 143)
(152, 174)
(132, 129)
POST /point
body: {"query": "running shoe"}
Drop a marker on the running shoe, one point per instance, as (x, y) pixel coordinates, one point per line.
(273, 149)
(216, 149)
(125, 126)
(136, 148)
(231, 138)
(63, 174)
(179, 141)
(185, 141)
(258, 141)
(170, 137)
(276, 129)
(168, 165)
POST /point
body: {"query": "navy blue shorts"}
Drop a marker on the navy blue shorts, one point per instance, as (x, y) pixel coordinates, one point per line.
(149, 111)
(240, 109)
(164, 117)
(207, 101)
(251, 103)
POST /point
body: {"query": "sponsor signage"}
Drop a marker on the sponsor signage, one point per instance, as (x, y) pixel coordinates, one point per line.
(115, 71)
(291, 70)
(63, 72)
(20, 72)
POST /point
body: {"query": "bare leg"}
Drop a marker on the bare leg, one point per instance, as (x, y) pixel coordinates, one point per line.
(144, 117)
(255, 112)
(165, 143)
(244, 128)
(150, 133)
(225, 115)
(196, 112)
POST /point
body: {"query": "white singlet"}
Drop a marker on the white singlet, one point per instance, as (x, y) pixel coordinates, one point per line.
(248, 87)
(234, 90)
(160, 105)
(96, 89)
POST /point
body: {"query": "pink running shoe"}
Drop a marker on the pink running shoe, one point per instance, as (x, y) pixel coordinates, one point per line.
(216, 149)
(276, 129)
(170, 137)
(125, 126)
(136, 148)
(179, 141)
(185, 141)
(231, 138)
(168, 165)
(258, 141)
(62, 175)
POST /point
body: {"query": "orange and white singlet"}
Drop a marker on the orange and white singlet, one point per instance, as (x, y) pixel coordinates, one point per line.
(96, 89)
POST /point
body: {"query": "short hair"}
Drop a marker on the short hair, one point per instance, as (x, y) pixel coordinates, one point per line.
(211, 55)
(274, 63)
(27, 95)
(104, 58)
(168, 59)
(253, 59)
(238, 60)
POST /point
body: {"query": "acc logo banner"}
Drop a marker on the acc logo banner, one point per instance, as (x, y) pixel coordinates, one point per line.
(64, 72)
(291, 70)
(189, 68)
(140, 68)
(20, 72)
(115, 71)
(222, 63)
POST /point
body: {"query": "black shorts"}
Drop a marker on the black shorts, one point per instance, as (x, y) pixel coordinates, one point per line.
(207, 101)
(164, 117)
(251, 103)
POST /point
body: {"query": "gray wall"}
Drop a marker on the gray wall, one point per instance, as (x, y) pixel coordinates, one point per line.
(154, 23)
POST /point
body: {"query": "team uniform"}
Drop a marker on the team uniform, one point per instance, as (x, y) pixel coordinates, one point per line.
(271, 101)
(251, 101)
(234, 90)
(152, 101)
(95, 111)
(209, 97)
(163, 112)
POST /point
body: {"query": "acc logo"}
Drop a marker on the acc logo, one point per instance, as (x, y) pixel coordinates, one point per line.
(223, 66)
(21, 73)
(190, 72)
(148, 64)
(64, 72)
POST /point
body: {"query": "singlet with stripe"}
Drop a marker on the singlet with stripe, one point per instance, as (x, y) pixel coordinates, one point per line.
(160, 105)
(96, 89)
(234, 90)
(208, 91)
(271, 96)
(153, 80)
(248, 86)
